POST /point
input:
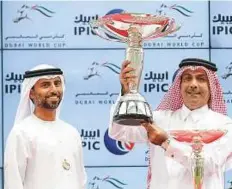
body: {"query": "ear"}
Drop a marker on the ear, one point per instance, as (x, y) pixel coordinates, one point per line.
(32, 94)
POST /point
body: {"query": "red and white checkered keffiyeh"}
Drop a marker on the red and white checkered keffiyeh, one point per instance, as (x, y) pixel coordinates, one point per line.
(173, 100)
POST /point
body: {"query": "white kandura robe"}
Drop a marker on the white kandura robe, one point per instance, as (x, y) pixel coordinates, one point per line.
(35, 153)
(171, 169)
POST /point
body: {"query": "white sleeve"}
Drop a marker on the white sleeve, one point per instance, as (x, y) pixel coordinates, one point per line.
(179, 152)
(126, 133)
(219, 152)
(15, 161)
(82, 173)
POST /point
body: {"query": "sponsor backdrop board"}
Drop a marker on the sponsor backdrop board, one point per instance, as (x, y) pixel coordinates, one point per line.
(91, 66)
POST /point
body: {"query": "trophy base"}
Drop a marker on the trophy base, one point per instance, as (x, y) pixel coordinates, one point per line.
(131, 119)
(131, 110)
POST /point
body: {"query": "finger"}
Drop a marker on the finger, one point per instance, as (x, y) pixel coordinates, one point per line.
(131, 80)
(146, 123)
(150, 128)
(129, 75)
(143, 122)
(125, 64)
(127, 70)
(146, 126)
(128, 81)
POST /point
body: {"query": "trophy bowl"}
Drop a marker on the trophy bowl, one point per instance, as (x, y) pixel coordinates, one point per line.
(133, 29)
(197, 139)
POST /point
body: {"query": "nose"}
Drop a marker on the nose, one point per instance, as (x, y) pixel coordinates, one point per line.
(193, 84)
(53, 88)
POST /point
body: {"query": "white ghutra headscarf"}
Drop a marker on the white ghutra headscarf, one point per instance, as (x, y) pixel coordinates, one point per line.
(42, 71)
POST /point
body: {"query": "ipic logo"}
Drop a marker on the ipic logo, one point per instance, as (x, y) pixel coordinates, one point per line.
(157, 87)
(218, 30)
(155, 81)
(90, 139)
(12, 88)
(222, 24)
(13, 83)
(83, 23)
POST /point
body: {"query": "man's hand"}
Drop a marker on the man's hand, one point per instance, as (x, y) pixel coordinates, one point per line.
(155, 134)
(126, 76)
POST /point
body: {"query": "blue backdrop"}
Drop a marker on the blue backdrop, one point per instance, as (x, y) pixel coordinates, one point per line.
(58, 33)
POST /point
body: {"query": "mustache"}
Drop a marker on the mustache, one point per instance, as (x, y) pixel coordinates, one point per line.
(193, 91)
(53, 94)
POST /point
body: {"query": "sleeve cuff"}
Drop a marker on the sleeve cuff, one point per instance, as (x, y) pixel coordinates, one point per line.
(178, 151)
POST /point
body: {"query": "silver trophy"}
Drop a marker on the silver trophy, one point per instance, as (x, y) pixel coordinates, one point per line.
(133, 29)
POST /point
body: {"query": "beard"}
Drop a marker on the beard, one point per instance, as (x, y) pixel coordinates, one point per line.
(50, 102)
(52, 105)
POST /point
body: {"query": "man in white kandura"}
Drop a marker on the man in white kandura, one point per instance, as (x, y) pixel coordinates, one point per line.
(195, 100)
(42, 151)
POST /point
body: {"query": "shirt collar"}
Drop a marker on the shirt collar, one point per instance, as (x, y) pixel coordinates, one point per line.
(196, 114)
(40, 121)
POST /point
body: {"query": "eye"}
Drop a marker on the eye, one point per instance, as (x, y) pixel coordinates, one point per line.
(57, 83)
(45, 85)
(186, 78)
(202, 79)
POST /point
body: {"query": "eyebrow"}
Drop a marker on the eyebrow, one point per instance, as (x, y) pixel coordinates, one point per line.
(44, 82)
(49, 80)
(198, 74)
(58, 79)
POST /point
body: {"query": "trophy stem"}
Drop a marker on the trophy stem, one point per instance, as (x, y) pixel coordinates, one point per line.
(134, 54)
(197, 164)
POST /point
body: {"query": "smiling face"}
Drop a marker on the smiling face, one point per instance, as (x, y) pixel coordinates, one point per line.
(195, 89)
(47, 93)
